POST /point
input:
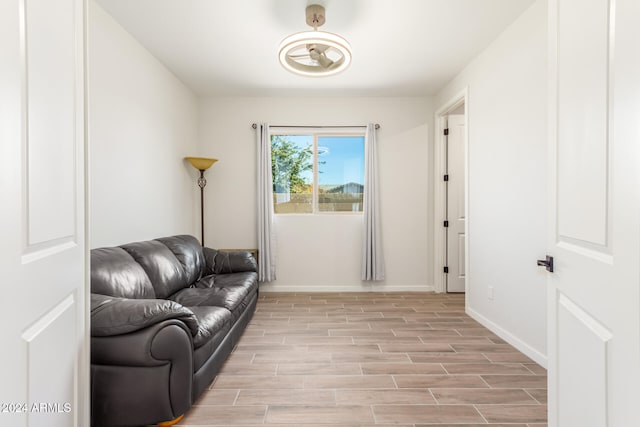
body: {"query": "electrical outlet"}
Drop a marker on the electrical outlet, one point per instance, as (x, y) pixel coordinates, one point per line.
(490, 292)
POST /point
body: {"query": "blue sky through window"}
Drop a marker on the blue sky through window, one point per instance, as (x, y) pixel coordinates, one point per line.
(341, 158)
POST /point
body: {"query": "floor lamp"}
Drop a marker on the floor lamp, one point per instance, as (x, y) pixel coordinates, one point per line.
(202, 164)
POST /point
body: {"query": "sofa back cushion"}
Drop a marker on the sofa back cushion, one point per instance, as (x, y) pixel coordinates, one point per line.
(188, 251)
(161, 265)
(226, 262)
(115, 273)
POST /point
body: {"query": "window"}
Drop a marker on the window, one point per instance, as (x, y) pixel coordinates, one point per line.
(317, 172)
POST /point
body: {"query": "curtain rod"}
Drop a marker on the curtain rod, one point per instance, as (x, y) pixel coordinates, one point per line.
(255, 126)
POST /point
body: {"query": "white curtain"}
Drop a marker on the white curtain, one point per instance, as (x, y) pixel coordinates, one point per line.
(372, 254)
(266, 231)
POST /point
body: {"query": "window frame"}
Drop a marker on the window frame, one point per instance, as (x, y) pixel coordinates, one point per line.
(316, 132)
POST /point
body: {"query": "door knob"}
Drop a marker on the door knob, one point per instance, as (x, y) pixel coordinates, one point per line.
(547, 263)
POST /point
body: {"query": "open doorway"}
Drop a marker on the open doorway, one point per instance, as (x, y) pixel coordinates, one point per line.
(451, 228)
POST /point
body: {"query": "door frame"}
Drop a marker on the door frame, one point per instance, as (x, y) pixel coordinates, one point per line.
(83, 413)
(439, 167)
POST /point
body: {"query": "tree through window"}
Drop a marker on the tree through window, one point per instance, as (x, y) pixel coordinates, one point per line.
(316, 173)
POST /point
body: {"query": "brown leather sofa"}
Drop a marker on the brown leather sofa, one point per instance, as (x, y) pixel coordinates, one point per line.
(165, 314)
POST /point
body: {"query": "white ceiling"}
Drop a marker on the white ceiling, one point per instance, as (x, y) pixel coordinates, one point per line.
(400, 47)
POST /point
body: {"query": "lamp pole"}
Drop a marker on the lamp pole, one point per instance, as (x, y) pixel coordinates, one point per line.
(201, 164)
(202, 182)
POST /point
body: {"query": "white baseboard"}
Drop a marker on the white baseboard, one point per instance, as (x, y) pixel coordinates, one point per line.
(529, 351)
(266, 287)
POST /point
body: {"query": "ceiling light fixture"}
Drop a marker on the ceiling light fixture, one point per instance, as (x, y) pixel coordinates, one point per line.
(315, 53)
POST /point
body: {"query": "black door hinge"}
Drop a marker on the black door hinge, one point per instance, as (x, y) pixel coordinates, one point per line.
(446, 177)
(446, 223)
(446, 131)
(446, 269)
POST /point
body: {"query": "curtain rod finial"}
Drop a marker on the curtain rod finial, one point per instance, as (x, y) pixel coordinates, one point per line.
(255, 126)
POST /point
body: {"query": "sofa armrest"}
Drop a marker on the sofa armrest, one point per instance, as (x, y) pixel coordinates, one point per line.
(141, 348)
(224, 262)
(146, 374)
(116, 316)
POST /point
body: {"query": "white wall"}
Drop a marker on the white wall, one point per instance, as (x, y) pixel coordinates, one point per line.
(322, 252)
(142, 122)
(507, 181)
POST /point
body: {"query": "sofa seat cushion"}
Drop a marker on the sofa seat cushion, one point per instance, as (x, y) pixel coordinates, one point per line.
(246, 279)
(212, 322)
(231, 291)
(229, 297)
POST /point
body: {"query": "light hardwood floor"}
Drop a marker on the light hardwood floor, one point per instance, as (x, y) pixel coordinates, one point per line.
(371, 359)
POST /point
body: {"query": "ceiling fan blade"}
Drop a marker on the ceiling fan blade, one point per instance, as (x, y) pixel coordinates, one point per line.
(306, 55)
(320, 48)
(324, 61)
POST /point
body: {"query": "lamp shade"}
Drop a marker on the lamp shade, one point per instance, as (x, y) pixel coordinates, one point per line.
(201, 163)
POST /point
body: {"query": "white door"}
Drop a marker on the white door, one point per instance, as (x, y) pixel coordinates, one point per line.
(44, 359)
(594, 297)
(456, 238)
